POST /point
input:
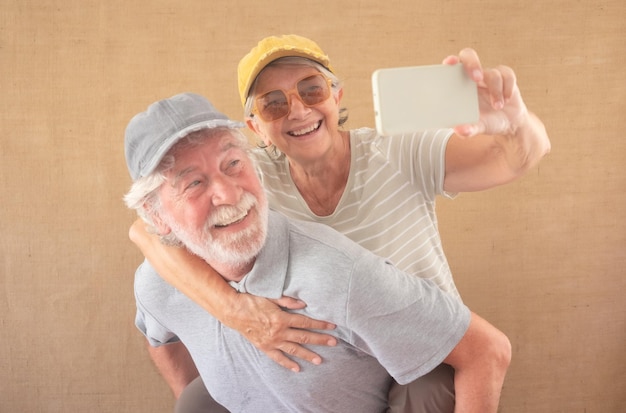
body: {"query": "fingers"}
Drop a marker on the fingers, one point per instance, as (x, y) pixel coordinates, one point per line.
(503, 76)
(280, 358)
(296, 328)
(298, 320)
(282, 335)
(471, 63)
(451, 60)
(500, 82)
(509, 81)
(292, 344)
(500, 103)
(282, 353)
(310, 337)
(304, 322)
(296, 350)
(494, 83)
(289, 302)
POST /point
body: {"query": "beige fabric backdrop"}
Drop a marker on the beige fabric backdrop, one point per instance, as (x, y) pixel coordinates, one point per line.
(543, 258)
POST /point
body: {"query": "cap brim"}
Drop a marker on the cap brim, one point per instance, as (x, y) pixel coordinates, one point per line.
(276, 54)
(171, 141)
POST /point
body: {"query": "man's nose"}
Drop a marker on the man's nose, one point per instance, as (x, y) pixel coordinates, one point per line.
(225, 192)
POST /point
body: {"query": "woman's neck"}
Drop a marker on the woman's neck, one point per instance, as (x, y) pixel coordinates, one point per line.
(323, 181)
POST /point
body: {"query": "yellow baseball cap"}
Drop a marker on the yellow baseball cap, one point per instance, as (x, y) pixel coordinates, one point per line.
(272, 48)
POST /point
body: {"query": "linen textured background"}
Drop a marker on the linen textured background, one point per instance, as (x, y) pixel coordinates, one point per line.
(543, 258)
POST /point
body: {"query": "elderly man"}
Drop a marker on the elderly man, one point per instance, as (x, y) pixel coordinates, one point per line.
(196, 186)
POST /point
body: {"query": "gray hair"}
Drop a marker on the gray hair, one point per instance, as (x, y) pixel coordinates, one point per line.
(143, 195)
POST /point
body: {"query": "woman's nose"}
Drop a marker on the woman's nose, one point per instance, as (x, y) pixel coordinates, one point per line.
(297, 109)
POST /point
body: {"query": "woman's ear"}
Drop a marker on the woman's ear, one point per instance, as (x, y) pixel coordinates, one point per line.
(254, 127)
(339, 95)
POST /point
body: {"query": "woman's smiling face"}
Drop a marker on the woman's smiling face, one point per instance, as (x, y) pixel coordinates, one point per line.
(307, 130)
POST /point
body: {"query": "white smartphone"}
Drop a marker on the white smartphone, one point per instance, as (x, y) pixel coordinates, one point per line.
(416, 98)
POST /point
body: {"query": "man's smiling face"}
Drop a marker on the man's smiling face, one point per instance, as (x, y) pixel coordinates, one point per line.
(213, 201)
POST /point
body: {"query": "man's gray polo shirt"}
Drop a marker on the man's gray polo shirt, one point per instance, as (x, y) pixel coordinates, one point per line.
(387, 323)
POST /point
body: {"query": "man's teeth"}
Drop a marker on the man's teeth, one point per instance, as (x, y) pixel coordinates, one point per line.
(233, 221)
(307, 130)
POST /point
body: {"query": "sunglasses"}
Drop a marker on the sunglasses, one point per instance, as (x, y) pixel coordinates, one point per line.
(276, 104)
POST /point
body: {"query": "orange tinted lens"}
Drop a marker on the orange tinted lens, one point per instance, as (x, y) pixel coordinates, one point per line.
(272, 105)
(313, 90)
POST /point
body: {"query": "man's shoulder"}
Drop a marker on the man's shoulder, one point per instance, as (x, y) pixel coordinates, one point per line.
(149, 285)
(322, 237)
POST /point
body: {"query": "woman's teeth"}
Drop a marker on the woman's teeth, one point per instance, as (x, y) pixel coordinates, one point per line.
(307, 130)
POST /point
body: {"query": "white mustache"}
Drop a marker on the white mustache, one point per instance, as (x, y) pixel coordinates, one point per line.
(227, 214)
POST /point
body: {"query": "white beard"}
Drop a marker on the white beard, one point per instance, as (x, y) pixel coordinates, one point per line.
(233, 250)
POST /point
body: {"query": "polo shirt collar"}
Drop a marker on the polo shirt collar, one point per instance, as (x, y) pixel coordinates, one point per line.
(267, 277)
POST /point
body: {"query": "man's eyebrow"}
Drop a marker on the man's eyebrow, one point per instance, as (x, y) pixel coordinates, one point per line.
(229, 144)
(225, 147)
(181, 174)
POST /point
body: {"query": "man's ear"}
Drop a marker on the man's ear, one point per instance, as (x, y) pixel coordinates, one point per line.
(161, 227)
(254, 127)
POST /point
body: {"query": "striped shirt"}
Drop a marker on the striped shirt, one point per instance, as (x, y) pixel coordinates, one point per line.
(388, 205)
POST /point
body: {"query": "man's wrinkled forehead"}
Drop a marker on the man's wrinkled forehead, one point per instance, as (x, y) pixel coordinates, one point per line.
(215, 143)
